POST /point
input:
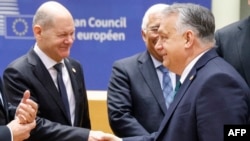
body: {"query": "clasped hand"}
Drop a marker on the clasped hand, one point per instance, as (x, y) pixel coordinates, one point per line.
(24, 120)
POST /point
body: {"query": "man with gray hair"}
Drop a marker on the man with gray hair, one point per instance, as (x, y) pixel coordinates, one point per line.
(136, 104)
(212, 93)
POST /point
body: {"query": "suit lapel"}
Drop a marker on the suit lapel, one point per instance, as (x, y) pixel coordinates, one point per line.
(146, 67)
(181, 92)
(72, 74)
(179, 95)
(44, 77)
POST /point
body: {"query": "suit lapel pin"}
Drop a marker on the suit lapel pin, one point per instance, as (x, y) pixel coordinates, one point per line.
(74, 70)
(191, 77)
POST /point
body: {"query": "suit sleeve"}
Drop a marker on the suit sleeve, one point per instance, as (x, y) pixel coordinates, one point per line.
(53, 131)
(120, 108)
(5, 134)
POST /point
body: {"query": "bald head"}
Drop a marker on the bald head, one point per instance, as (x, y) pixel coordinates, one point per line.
(48, 12)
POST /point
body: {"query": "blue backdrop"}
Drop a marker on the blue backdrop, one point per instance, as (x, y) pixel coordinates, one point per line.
(105, 31)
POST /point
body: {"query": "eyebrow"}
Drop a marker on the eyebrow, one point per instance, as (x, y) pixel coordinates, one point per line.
(154, 26)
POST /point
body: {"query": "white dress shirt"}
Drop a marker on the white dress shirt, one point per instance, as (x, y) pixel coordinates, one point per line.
(49, 64)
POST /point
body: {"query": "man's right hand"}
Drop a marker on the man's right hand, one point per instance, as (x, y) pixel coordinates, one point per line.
(20, 131)
(101, 136)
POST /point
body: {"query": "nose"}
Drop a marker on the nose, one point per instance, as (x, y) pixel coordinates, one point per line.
(69, 39)
(158, 45)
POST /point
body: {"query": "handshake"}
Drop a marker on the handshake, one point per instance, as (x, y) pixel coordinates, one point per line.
(24, 120)
(101, 136)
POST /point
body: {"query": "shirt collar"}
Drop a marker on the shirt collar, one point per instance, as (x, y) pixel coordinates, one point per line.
(190, 66)
(47, 61)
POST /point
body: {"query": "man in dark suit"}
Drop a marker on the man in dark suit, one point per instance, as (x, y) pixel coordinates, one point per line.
(54, 31)
(212, 92)
(233, 44)
(19, 128)
(136, 105)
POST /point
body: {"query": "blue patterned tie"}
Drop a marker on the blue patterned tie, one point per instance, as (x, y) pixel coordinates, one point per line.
(167, 88)
(61, 87)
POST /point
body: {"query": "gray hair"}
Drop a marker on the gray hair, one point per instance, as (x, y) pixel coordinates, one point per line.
(156, 8)
(195, 17)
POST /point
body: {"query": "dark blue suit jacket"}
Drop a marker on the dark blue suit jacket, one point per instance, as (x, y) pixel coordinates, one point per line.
(29, 72)
(135, 100)
(4, 130)
(212, 95)
(233, 44)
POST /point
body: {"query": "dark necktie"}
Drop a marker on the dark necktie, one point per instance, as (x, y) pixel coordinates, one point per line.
(177, 87)
(167, 88)
(61, 87)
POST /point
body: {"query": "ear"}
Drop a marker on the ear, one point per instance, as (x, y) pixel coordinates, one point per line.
(143, 34)
(37, 30)
(189, 38)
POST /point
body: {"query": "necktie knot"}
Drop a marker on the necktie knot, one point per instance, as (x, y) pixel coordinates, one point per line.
(58, 67)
